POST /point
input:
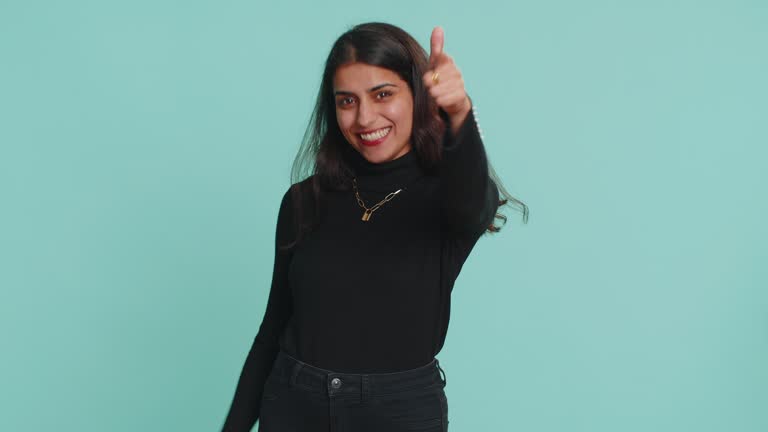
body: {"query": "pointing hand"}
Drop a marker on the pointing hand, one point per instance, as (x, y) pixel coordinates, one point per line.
(444, 81)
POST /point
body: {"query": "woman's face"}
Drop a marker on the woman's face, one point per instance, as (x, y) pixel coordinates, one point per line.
(374, 109)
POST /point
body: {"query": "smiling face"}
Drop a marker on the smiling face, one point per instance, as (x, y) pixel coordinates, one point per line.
(374, 110)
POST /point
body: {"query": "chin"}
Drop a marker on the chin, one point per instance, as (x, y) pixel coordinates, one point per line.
(376, 155)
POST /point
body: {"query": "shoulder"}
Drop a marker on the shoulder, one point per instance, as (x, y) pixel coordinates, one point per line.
(297, 193)
(302, 188)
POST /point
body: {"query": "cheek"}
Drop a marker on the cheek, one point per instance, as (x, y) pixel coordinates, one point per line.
(403, 115)
(344, 121)
(399, 113)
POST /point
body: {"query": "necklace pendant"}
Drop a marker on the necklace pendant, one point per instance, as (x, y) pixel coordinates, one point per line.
(366, 215)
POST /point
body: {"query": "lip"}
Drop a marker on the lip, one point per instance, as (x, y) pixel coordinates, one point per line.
(374, 142)
(372, 130)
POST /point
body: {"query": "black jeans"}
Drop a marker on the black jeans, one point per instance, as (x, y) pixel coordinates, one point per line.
(299, 397)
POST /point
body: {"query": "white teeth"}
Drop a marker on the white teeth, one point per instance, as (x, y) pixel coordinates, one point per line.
(375, 135)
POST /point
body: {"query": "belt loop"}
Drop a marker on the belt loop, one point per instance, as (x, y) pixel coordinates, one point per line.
(443, 377)
(296, 368)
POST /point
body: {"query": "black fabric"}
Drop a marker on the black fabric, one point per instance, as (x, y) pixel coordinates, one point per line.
(373, 297)
(301, 397)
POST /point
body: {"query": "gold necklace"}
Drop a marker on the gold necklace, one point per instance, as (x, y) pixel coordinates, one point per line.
(368, 211)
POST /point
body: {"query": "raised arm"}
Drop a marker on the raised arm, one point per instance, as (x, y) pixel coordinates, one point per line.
(469, 198)
(246, 404)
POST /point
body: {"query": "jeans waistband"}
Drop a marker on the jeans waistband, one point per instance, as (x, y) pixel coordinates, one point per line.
(297, 373)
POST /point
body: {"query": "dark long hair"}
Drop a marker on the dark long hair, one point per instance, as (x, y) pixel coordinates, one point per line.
(319, 164)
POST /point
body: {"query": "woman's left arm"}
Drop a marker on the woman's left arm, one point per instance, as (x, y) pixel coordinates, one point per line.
(469, 198)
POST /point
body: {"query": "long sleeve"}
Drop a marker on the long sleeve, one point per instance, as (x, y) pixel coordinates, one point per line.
(468, 196)
(246, 404)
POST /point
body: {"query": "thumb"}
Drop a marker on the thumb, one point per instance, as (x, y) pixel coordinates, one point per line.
(436, 45)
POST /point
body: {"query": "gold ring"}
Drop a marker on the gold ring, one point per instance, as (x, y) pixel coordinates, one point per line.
(436, 77)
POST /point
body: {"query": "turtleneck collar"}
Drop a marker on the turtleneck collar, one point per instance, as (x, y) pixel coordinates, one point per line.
(384, 176)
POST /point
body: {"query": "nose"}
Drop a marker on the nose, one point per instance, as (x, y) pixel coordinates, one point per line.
(366, 115)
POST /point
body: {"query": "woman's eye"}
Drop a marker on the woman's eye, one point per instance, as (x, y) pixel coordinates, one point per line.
(384, 92)
(345, 101)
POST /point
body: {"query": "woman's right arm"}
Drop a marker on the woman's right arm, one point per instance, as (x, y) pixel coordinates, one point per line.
(246, 404)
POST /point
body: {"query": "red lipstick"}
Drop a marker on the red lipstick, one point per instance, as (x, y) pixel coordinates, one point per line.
(374, 142)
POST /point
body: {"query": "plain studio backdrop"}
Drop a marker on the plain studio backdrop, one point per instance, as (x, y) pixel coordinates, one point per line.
(145, 146)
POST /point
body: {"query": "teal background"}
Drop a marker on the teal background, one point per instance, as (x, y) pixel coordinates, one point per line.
(145, 145)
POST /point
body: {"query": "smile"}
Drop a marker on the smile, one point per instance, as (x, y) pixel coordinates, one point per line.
(375, 135)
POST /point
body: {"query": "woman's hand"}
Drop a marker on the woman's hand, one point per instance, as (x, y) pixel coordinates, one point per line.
(448, 92)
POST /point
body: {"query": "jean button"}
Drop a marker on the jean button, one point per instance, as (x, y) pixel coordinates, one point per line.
(335, 383)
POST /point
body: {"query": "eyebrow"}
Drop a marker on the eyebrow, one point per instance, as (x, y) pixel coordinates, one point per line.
(344, 92)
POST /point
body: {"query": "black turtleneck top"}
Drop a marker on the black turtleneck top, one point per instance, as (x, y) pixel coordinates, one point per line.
(373, 296)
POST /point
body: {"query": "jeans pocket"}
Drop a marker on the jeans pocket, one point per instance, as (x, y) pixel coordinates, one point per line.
(276, 408)
(273, 388)
(412, 410)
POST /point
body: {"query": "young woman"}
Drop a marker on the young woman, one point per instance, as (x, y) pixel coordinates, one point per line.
(369, 244)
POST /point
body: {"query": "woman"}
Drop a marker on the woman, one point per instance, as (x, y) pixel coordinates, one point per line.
(367, 247)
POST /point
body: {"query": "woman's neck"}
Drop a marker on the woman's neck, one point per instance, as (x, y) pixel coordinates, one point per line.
(384, 176)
